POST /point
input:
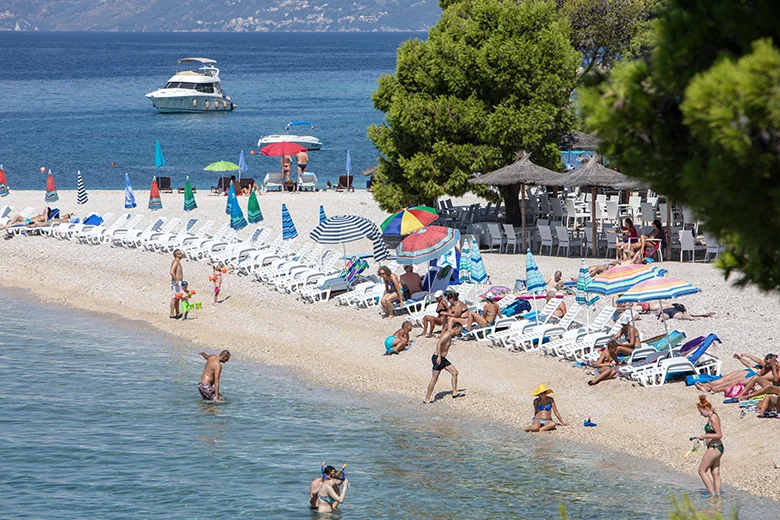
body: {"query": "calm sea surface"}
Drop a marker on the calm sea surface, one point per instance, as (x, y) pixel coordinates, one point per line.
(101, 419)
(75, 101)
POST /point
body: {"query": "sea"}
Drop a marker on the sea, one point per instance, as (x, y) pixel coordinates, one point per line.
(101, 419)
(75, 102)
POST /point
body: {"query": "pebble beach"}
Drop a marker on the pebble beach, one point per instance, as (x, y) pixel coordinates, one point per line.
(341, 347)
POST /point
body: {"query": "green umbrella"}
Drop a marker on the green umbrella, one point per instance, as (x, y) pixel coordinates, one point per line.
(221, 166)
(189, 198)
(253, 213)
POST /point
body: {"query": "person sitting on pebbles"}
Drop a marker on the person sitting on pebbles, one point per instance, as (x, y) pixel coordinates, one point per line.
(606, 364)
(399, 341)
(544, 407)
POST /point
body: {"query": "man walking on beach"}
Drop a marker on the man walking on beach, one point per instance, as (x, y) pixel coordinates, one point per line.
(209, 380)
(440, 362)
(177, 275)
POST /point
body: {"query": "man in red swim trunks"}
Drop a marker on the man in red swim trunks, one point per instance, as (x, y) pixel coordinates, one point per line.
(209, 380)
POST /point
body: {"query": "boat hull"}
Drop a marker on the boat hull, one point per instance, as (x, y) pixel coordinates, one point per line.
(191, 104)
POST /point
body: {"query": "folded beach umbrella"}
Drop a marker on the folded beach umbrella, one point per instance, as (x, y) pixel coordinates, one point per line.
(155, 202)
(408, 220)
(231, 195)
(322, 214)
(427, 244)
(478, 273)
(3, 184)
(465, 262)
(582, 292)
(253, 213)
(129, 195)
(622, 278)
(189, 197)
(381, 252)
(159, 160)
(81, 196)
(534, 281)
(658, 288)
(241, 165)
(288, 226)
(237, 220)
(51, 190)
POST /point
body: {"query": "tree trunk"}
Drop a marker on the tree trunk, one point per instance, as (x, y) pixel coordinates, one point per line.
(511, 194)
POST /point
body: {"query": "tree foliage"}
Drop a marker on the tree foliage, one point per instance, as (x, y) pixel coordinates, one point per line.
(699, 121)
(492, 78)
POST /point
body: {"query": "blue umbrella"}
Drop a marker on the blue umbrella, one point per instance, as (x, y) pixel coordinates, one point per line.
(478, 273)
(81, 197)
(241, 165)
(129, 196)
(349, 165)
(237, 220)
(534, 281)
(159, 160)
(465, 262)
(322, 214)
(288, 226)
(231, 197)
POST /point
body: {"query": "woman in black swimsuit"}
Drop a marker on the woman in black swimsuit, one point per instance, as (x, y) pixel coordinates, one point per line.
(713, 436)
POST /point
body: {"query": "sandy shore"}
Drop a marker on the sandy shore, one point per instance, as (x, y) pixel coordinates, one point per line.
(341, 347)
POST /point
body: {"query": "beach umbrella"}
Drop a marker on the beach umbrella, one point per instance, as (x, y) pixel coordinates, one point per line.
(189, 197)
(622, 278)
(342, 229)
(241, 165)
(408, 220)
(288, 226)
(129, 195)
(349, 165)
(155, 202)
(426, 244)
(221, 166)
(282, 148)
(159, 160)
(380, 247)
(51, 190)
(582, 293)
(666, 288)
(534, 281)
(231, 195)
(3, 183)
(478, 273)
(322, 214)
(253, 213)
(237, 220)
(81, 197)
(465, 262)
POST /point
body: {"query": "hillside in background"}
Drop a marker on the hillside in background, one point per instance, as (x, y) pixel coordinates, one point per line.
(218, 15)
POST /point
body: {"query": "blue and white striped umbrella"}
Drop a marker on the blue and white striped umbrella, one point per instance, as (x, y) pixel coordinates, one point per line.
(534, 281)
(129, 195)
(322, 214)
(81, 197)
(231, 197)
(464, 270)
(478, 273)
(342, 229)
(381, 252)
(288, 226)
(583, 296)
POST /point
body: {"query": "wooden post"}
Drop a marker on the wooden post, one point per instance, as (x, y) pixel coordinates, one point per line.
(522, 213)
(593, 219)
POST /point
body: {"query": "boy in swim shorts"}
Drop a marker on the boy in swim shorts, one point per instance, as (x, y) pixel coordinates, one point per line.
(185, 298)
(399, 341)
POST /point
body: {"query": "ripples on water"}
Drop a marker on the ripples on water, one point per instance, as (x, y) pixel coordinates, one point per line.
(101, 419)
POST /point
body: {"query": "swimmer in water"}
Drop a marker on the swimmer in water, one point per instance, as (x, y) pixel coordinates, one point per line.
(329, 490)
(212, 372)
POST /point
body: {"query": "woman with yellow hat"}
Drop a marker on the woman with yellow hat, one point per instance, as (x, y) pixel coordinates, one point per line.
(544, 406)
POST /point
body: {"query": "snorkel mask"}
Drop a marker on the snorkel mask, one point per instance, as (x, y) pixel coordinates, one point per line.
(326, 477)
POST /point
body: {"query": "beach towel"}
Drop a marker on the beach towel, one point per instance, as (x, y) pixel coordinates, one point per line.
(516, 307)
(700, 378)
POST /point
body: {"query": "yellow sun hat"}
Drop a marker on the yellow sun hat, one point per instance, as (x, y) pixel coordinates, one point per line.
(542, 389)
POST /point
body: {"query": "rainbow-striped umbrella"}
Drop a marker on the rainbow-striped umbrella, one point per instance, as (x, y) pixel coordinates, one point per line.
(622, 278)
(408, 220)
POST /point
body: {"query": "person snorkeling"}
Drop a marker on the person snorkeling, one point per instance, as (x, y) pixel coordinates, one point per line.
(329, 490)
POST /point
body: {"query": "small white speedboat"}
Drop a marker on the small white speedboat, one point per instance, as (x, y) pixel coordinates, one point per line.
(308, 141)
(193, 90)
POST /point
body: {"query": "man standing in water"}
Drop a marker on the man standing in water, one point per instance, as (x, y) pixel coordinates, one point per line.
(177, 275)
(440, 362)
(209, 380)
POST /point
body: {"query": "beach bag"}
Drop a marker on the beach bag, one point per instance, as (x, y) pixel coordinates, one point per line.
(735, 390)
(516, 307)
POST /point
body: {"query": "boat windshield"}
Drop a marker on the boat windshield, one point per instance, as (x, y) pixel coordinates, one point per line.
(207, 88)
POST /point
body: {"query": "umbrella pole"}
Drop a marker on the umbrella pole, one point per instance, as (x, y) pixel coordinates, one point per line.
(522, 213)
(593, 218)
(666, 330)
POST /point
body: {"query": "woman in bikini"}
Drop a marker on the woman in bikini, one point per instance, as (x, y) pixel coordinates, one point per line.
(713, 436)
(544, 407)
(755, 367)
(627, 339)
(489, 315)
(458, 309)
(325, 494)
(441, 307)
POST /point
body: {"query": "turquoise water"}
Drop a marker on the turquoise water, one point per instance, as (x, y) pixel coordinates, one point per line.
(101, 419)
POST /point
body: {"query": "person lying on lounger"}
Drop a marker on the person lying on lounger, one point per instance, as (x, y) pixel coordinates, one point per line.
(739, 376)
(18, 219)
(61, 220)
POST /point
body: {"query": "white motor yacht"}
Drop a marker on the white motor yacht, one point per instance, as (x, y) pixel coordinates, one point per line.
(193, 90)
(308, 141)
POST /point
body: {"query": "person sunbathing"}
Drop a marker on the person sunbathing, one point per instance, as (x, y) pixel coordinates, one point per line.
(544, 407)
(457, 310)
(489, 315)
(441, 307)
(18, 219)
(739, 376)
(769, 404)
(764, 382)
(606, 364)
(627, 340)
(64, 219)
(678, 311)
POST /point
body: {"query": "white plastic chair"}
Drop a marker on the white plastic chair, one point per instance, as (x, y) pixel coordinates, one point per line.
(713, 246)
(546, 238)
(566, 241)
(494, 236)
(688, 243)
(511, 238)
